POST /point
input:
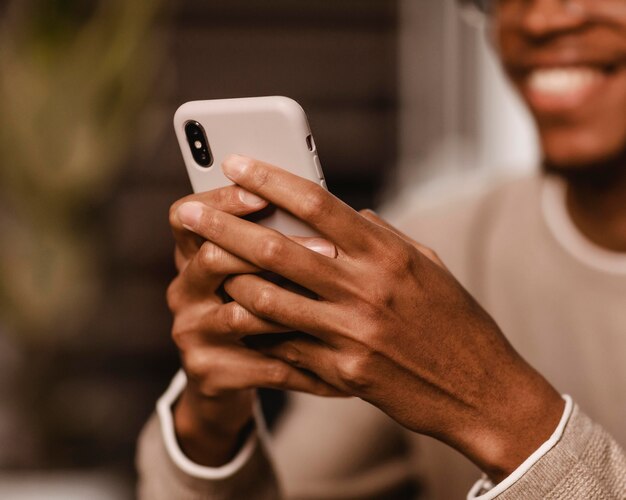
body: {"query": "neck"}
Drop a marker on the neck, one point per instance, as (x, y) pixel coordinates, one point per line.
(596, 202)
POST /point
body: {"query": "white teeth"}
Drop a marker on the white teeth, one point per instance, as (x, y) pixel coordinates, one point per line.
(560, 81)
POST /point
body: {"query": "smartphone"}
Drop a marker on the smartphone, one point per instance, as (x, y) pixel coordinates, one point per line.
(271, 129)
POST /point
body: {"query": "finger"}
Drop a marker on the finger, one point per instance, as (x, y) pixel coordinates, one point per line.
(272, 302)
(370, 215)
(219, 369)
(234, 321)
(311, 355)
(209, 266)
(428, 252)
(265, 248)
(318, 245)
(306, 353)
(231, 199)
(306, 200)
(179, 259)
(210, 323)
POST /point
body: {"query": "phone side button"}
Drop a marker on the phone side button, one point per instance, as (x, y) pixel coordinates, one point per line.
(323, 184)
(318, 167)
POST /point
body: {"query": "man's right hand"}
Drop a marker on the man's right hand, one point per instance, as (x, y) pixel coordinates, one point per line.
(213, 414)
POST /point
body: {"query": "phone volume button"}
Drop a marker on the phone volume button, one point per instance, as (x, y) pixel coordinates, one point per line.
(318, 167)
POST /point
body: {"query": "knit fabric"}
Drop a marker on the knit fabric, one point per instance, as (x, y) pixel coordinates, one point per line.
(586, 464)
(161, 479)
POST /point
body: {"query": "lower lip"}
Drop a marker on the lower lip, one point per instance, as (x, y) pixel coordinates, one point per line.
(564, 102)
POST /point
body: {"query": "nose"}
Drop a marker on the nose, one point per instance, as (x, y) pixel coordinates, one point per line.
(545, 18)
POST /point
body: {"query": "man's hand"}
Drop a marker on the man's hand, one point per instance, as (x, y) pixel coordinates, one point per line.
(211, 416)
(391, 325)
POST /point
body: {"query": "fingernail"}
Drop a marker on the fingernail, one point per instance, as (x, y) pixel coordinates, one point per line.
(234, 166)
(248, 198)
(190, 214)
(321, 246)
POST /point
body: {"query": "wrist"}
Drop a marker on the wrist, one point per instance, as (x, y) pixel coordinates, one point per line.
(210, 431)
(511, 427)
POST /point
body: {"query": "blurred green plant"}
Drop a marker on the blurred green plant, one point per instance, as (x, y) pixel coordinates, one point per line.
(74, 78)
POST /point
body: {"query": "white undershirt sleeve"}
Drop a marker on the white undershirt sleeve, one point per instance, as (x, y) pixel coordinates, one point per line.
(484, 489)
(164, 410)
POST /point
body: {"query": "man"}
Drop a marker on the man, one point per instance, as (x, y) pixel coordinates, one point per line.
(546, 256)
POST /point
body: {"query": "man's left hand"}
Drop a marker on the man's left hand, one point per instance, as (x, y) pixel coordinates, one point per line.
(391, 325)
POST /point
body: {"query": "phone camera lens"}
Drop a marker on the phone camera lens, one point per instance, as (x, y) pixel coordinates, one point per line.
(198, 144)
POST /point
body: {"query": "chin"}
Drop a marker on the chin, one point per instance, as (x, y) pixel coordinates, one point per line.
(565, 152)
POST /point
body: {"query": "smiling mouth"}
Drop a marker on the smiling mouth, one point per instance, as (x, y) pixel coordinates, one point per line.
(565, 88)
(563, 81)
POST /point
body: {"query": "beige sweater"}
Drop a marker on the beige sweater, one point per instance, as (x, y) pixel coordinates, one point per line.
(560, 301)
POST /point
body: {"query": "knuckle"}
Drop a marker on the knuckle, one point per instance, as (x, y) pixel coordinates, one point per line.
(426, 251)
(271, 250)
(368, 214)
(209, 255)
(403, 259)
(213, 224)
(381, 297)
(315, 204)
(431, 254)
(235, 318)
(180, 333)
(228, 199)
(173, 295)
(224, 198)
(196, 364)
(292, 354)
(277, 373)
(264, 301)
(260, 175)
(355, 372)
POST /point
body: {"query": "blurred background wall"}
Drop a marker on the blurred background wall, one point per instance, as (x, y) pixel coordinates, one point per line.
(459, 123)
(396, 93)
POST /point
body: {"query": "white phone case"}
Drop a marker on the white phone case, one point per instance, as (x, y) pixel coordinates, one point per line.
(271, 129)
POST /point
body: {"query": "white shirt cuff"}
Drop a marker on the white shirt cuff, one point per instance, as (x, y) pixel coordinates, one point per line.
(484, 489)
(164, 410)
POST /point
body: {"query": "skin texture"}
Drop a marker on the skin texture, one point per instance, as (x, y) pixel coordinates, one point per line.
(583, 140)
(390, 324)
(216, 406)
(387, 306)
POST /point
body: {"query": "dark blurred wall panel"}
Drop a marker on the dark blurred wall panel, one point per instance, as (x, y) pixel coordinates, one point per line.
(338, 59)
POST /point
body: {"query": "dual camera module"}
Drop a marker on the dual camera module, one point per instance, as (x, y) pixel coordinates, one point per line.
(198, 144)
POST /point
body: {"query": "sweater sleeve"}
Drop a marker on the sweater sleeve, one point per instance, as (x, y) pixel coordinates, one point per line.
(161, 479)
(322, 448)
(166, 473)
(585, 463)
